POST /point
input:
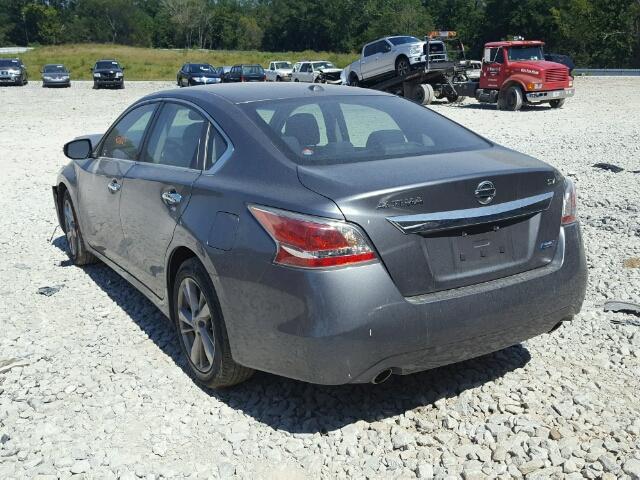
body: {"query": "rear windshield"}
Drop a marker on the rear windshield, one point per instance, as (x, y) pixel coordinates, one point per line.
(252, 70)
(55, 69)
(106, 65)
(403, 40)
(345, 129)
(9, 63)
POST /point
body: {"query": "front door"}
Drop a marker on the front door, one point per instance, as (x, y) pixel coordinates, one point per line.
(101, 182)
(492, 74)
(158, 190)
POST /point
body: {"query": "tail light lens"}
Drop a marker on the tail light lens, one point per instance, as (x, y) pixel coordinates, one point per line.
(313, 242)
(569, 205)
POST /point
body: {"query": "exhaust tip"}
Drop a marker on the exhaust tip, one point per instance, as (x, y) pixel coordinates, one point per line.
(382, 377)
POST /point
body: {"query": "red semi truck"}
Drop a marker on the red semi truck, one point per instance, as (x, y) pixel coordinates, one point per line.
(515, 73)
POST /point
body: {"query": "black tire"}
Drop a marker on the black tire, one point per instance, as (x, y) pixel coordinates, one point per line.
(353, 81)
(296, 80)
(402, 66)
(96, 86)
(511, 99)
(76, 248)
(278, 79)
(121, 86)
(218, 369)
(557, 103)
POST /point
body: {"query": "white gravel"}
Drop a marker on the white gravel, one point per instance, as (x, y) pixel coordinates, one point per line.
(92, 383)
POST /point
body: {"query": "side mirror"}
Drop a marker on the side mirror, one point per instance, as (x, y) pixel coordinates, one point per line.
(78, 149)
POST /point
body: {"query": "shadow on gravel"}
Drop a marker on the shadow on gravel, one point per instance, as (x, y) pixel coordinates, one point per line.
(491, 106)
(299, 407)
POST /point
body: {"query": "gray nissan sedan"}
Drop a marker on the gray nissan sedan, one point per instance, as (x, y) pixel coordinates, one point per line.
(328, 234)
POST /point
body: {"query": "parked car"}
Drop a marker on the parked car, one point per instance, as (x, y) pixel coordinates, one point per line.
(245, 73)
(107, 73)
(13, 72)
(279, 72)
(330, 235)
(390, 56)
(55, 75)
(197, 74)
(317, 72)
(472, 68)
(565, 60)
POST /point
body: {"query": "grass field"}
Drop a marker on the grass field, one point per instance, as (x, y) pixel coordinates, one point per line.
(157, 64)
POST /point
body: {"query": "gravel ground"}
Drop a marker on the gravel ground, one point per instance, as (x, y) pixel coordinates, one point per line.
(92, 383)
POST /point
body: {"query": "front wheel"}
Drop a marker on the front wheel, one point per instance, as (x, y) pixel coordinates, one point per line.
(402, 67)
(76, 248)
(278, 79)
(557, 103)
(353, 81)
(296, 80)
(511, 99)
(201, 329)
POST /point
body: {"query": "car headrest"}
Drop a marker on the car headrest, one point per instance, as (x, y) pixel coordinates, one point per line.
(304, 128)
(381, 138)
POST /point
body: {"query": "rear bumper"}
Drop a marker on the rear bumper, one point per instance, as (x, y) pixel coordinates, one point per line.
(348, 325)
(539, 97)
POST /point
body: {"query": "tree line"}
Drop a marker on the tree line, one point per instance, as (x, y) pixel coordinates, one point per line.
(596, 33)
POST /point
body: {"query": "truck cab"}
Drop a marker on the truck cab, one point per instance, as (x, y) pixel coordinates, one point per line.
(515, 72)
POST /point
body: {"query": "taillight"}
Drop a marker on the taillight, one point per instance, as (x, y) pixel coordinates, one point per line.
(569, 203)
(313, 242)
(242, 79)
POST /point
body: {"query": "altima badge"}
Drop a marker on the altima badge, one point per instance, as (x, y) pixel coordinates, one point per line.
(400, 202)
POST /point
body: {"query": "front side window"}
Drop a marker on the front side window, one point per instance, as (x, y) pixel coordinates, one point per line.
(175, 138)
(125, 138)
(346, 129)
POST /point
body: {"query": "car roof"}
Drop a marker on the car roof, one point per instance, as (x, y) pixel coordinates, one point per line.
(107, 60)
(54, 64)
(238, 93)
(514, 43)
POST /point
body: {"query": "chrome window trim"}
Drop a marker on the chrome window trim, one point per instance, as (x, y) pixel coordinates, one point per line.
(425, 223)
(225, 155)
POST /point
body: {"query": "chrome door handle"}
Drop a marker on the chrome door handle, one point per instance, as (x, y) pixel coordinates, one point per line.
(114, 186)
(171, 198)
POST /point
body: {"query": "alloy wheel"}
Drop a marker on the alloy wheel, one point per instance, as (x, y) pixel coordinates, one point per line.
(196, 327)
(70, 227)
(403, 67)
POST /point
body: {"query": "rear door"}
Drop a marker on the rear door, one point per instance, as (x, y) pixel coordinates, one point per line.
(159, 189)
(101, 181)
(369, 63)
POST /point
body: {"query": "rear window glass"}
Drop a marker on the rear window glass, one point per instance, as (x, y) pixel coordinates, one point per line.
(347, 129)
(252, 70)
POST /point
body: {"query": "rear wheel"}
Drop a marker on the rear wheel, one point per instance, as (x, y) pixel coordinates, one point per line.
(278, 79)
(557, 103)
(201, 329)
(402, 67)
(510, 99)
(76, 248)
(353, 81)
(296, 80)
(425, 94)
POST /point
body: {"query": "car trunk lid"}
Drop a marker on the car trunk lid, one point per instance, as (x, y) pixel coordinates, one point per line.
(431, 219)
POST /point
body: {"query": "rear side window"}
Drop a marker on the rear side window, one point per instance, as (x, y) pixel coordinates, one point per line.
(176, 136)
(252, 70)
(125, 138)
(216, 146)
(345, 129)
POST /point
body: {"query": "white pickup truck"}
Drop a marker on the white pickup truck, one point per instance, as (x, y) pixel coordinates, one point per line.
(279, 72)
(385, 58)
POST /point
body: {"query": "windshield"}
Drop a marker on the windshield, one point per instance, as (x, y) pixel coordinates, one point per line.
(9, 63)
(525, 53)
(347, 129)
(54, 69)
(403, 40)
(202, 67)
(106, 65)
(252, 70)
(282, 65)
(317, 65)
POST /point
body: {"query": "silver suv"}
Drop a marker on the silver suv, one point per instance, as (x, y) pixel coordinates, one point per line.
(387, 57)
